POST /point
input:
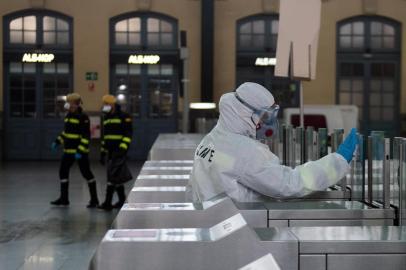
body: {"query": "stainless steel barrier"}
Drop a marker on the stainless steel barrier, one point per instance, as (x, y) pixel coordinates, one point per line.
(230, 244)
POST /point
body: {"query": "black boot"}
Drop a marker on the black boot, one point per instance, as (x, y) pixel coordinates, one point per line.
(121, 197)
(64, 198)
(94, 201)
(109, 197)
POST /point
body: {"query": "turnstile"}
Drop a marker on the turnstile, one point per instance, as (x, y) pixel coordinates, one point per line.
(174, 194)
(175, 215)
(266, 262)
(166, 170)
(161, 180)
(168, 163)
(349, 248)
(230, 244)
(327, 213)
(175, 146)
(186, 215)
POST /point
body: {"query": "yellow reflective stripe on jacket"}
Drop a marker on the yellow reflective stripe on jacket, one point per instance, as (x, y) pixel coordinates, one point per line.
(113, 137)
(84, 141)
(71, 135)
(72, 120)
(124, 146)
(83, 149)
(127, 139)
(112, 121)
(70, 151)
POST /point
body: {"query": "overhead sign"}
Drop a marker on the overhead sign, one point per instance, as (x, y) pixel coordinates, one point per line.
(265, 61)
(38, 57)
(144, 59)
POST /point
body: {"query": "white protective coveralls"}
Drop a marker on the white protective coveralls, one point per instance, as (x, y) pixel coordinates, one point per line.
(229, 159)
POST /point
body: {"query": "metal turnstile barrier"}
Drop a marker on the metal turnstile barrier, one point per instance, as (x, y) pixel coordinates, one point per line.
(175, 146)
(230, 244)
(161, 180)
(175, 215)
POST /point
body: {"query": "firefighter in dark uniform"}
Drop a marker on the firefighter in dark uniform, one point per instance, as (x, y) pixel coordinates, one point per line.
(75, 140)
(116, 140)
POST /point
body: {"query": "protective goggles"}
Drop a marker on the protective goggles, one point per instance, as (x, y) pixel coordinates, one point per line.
(266, 115)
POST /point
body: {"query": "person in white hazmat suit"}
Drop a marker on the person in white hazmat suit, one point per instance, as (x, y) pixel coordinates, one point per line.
(234, 159)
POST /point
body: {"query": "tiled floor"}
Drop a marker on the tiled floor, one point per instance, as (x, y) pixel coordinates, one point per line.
(34, 235)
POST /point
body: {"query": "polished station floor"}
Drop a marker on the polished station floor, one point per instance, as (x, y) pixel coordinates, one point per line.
(34, 235)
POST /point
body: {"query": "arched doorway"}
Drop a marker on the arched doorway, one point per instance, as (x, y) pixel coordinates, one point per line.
(368, 71)
(256, 51)
(38, 73)
(144, 60)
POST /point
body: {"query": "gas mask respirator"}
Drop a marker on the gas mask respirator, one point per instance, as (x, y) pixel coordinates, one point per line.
(66, 106)
(265, 120)
(106, 108)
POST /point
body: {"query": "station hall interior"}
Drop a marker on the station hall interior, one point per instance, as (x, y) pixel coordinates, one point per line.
(203, 134)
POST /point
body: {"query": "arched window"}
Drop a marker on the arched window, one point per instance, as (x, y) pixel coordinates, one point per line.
(257, 37)
(38, 65)
(258, 33)
(47, 29)
(147, 31)
(144, 68)
(368, 65)
(367, 34)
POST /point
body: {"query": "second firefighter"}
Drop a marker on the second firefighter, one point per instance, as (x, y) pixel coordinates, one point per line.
(116, 140)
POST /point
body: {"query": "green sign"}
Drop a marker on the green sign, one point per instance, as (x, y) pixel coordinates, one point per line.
(91, 76)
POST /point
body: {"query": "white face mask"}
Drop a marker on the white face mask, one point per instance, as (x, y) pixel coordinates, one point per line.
(106, 108)
(66, 106)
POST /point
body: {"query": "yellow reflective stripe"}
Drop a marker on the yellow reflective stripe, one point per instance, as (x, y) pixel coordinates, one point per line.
(72, 120)
(112, 121)
(127, 139)
(84, 141)
(71, 135)
(124, 146)
(128, 120)
(113, 137)
(83, 149)
(60, 139)
(70, 151)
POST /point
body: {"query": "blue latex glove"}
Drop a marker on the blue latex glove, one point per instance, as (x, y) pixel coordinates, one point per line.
(347, 148)
(54, 146)
(78, 156)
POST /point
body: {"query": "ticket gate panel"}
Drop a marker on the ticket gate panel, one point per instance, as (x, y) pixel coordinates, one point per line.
(230, 244)
(255, 214)
(172, 154)
(157, 195)
(176, 215)
(349, 240)
(266, 262)
(175, 147)
(340, 222)
(366, 262)
(166, 170)
(328, 213)
(156, 182)
(168, 163)
(312, 262)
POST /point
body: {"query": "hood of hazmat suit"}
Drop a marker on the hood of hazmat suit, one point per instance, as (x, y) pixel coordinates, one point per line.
(230, 160)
